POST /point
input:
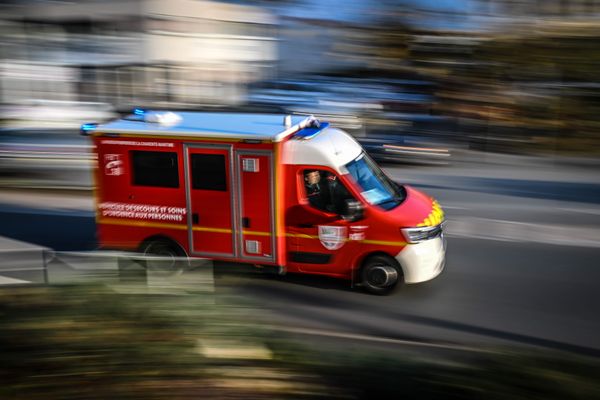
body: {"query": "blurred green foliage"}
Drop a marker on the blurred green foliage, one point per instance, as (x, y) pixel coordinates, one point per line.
(539, 86)
(89, 342)
(532, 85)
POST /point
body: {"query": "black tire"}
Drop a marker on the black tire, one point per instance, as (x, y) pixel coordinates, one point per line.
(381, 275)
(171, 254)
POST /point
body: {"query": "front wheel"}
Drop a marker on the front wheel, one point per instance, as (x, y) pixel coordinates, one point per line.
(163, 257)
(381, 275)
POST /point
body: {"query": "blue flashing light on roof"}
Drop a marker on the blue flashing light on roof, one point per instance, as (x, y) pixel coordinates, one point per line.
(139, 111)
(87, 129)
(311, 131)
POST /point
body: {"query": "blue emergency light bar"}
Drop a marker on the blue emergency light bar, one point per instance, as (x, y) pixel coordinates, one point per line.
(311, 131)
(138, 114)
(88, 128)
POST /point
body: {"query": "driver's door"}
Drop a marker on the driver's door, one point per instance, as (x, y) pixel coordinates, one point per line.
(322, 241)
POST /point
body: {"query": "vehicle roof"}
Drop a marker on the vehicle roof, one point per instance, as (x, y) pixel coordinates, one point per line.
(207, 124)
(330, 147)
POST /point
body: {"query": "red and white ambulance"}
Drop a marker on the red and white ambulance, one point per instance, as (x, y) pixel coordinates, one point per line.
(271, 190)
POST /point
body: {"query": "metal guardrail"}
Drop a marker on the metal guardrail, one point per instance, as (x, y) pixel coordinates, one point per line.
(21, 262)
(42, 266)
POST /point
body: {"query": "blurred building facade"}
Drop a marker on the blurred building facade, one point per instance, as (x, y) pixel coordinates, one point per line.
(526, 68)
(134, 52)
(540, 7)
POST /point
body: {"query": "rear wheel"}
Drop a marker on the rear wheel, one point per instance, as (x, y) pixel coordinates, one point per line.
(163, 256)
(381, 275)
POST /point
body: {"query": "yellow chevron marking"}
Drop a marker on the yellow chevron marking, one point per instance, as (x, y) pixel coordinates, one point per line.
(435, 217)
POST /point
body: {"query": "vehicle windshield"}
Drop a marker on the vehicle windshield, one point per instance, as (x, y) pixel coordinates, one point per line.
(377, 188)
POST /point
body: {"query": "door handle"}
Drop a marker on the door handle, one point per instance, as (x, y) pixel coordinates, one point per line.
(195, 219)
(246, 222)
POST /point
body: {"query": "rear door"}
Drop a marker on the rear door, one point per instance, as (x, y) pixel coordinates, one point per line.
(255, 209)
(209, 191)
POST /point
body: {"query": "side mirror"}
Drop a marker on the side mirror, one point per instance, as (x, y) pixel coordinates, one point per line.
(354, 210)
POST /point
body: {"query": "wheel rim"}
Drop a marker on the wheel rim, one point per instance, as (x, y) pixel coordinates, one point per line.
(165, 258)
(381, 276)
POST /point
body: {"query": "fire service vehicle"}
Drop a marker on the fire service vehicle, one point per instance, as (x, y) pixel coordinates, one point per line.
(287, 192)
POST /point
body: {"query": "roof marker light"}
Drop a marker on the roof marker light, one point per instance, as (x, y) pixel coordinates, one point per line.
(310, 122)
(86, 129)
(165, 118)
(287, 121)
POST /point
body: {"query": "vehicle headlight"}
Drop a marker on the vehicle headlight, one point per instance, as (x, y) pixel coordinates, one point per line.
(420, 234)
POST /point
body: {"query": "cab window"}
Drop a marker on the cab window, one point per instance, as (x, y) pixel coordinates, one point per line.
(325, 191)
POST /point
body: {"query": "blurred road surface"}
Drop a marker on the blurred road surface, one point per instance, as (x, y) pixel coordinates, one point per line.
(523, 251)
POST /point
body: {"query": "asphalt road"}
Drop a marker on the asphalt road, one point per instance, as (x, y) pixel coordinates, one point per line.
(523, 262)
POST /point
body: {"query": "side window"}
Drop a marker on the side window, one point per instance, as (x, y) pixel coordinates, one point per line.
(155, 168)
(325, 192)
(208, 172)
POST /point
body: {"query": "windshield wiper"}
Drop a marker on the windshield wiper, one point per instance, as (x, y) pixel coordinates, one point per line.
(395, 198)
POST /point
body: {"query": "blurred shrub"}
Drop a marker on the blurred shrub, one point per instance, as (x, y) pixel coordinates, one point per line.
(537, 86)
(88, 342)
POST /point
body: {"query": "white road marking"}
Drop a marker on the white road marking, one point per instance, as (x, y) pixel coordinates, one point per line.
(5, 280)
(379, 339)
(514, 231)
(582, 210)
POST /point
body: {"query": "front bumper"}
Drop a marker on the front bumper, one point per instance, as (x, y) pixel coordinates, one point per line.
(423, 261)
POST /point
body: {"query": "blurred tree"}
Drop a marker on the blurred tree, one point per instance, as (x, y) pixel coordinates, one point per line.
(541, 84)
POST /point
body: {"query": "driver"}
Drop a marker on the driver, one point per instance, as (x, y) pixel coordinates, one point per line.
(312, 181)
